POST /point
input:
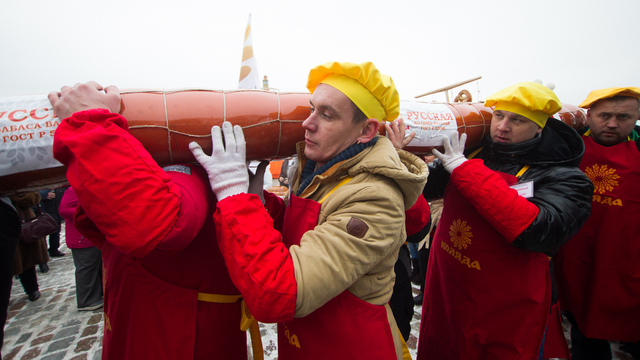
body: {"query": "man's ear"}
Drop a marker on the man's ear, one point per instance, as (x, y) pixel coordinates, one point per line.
(369, 130)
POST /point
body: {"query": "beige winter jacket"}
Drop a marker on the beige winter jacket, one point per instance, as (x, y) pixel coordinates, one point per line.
(335, 255)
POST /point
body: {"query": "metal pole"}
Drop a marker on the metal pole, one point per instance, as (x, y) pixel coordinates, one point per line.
(449, 87)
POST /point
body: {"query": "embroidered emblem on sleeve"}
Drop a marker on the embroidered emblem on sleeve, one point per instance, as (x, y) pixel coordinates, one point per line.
(357, 227)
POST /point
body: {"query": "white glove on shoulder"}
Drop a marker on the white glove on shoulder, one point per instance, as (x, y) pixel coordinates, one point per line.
(227, 167)
(453, 152)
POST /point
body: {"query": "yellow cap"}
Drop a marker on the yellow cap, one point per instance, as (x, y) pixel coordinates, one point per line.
(373, 93)
(596, 95)
(534, 101)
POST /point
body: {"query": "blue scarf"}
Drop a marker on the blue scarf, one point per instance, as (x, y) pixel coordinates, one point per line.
(308, 174)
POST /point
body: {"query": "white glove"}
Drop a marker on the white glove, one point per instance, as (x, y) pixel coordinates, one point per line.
(453, 152)
(227, 168)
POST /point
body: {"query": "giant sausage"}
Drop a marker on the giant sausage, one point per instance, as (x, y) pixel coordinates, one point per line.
(165, 122)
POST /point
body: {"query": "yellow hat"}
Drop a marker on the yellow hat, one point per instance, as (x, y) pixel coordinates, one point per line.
(534, 101)
(373, 93)
(596, 95)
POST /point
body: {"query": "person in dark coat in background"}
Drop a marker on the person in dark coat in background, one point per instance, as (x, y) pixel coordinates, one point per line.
(9, 237)
(29, 255)
(284, 172)
(50, 204)
(417, 224)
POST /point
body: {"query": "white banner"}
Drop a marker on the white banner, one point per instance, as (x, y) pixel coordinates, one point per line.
(27, 126)
(429, 121)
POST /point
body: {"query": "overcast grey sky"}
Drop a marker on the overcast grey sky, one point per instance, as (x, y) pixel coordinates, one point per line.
(423, 45)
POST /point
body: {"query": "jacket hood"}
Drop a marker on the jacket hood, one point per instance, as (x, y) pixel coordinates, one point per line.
(557, 144)
(407, 170)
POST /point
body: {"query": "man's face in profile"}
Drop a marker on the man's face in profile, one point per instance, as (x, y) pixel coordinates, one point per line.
(330, 128)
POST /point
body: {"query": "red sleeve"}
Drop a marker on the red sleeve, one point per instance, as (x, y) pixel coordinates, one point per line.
(123, 191)
(489, 193)
(417, 217)
(259, 263)
(196, 198)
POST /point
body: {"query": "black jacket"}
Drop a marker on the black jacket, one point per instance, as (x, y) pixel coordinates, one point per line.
(562, 192)
(51, 206)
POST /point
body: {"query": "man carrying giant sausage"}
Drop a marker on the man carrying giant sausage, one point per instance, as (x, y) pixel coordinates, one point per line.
(599, 269)
(167, 293)
(328, 277)
(507, 207)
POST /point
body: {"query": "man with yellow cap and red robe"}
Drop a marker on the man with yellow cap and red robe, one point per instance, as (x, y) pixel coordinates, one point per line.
(327, 278)
(508, 206)
(599, 269)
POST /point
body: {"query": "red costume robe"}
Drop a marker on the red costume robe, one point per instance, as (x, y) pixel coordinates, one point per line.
(167, 292)
(598, 270)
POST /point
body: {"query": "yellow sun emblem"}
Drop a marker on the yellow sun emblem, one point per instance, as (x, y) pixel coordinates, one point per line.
(460, 234)
(603, 179)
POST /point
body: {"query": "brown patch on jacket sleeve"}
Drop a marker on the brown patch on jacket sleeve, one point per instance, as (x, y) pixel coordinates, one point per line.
(357, 227)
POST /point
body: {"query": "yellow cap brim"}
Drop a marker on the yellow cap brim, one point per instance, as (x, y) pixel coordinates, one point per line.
(537, 117)
(360, 96)
(602, 94)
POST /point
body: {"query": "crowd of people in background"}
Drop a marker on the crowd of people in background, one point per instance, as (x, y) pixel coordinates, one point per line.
(502, 238)
(20, 258)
